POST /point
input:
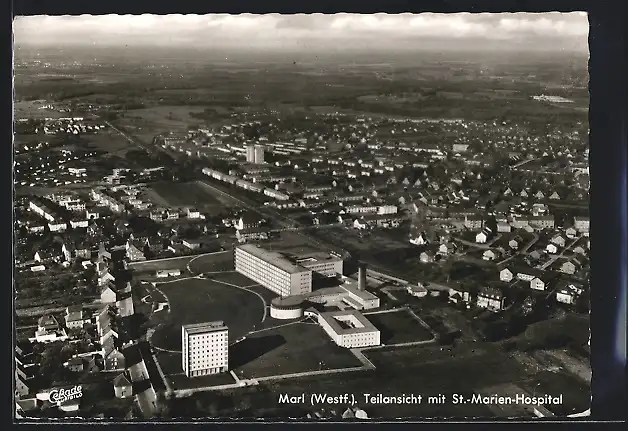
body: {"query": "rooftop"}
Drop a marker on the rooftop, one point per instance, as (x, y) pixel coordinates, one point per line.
(274, 258)
(198, 328)
(348, 322)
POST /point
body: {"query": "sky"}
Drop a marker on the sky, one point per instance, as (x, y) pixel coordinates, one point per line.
(562, 31)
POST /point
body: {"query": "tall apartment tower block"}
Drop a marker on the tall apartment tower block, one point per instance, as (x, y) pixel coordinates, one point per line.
(255, 154)
(205, 348)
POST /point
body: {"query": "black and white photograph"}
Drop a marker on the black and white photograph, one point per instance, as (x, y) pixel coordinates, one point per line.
(341, 217)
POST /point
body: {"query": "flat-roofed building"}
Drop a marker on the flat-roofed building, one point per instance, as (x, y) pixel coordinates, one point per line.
(205, 348)
(321, 263)
(272, 270)
(349, 329)
(358, 298)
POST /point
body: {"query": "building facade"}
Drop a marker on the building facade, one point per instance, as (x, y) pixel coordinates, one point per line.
(272, 270)
(349, 329)
(205, 348)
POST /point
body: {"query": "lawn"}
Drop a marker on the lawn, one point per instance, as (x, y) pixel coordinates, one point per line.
(576, 394)
(108, 140)
(155, 265)
(234, 278)
(171, 366)
(195, 301)
(399, 327)
(181, 381)
(296, 348)
(184, 194)
(221, 261)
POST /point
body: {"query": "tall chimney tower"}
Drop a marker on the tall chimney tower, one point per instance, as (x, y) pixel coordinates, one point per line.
(362, 276)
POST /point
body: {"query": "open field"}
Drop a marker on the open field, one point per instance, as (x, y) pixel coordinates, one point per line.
(399, 375)
(184, 194)
(179, 262)
(399, 327)
(295, 348)
(162, 118)
(234, 278)
(32, 109)
(195, 301)
(108, 140)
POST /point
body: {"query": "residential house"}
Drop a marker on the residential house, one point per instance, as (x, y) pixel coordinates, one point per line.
(248, 220)
(252, 234)
(491, 298)
(483, 236)
(568, 292)
(125, 307)
(458, 294)
(558, 240)
(48, 322)
(68, 251)
(447, 249)
(192, 213)
(515, 242)
(503, 227)
(506, 275)
(541, 222)
(133, 253)
(571, 233)
(192, 244)
(21, 387)
(427, 257)
(76, 364)
(108, 294)
(114, 360)
(74, 317)
(490, 255)
(551, 248)
(420, 239)
(582, 224)
(572, 265)
(554, 196)
(579, 250)
(473, 222)
(538, 283)
(122, 386)
(539, 195)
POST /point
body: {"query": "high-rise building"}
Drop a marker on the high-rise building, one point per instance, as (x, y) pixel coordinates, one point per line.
(272, 270)
(250, 153)
(205, 348)
(258, 154)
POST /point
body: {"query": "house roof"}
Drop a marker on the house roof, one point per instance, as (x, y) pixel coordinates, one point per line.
(250, 217)
(491, 291)
(47, 320)
(121, 381)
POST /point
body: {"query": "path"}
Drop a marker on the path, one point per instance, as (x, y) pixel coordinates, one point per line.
(558, 256)
(518, 165)
(523, 250)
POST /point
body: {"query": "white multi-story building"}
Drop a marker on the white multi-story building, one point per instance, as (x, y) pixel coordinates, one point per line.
(321, 263)
(258, 154)
(582, 224)
(349, 329)
(41, 210)
(205, 348)
(387, 209)
(272, 270)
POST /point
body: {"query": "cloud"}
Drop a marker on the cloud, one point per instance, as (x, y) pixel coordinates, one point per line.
(316, 30)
